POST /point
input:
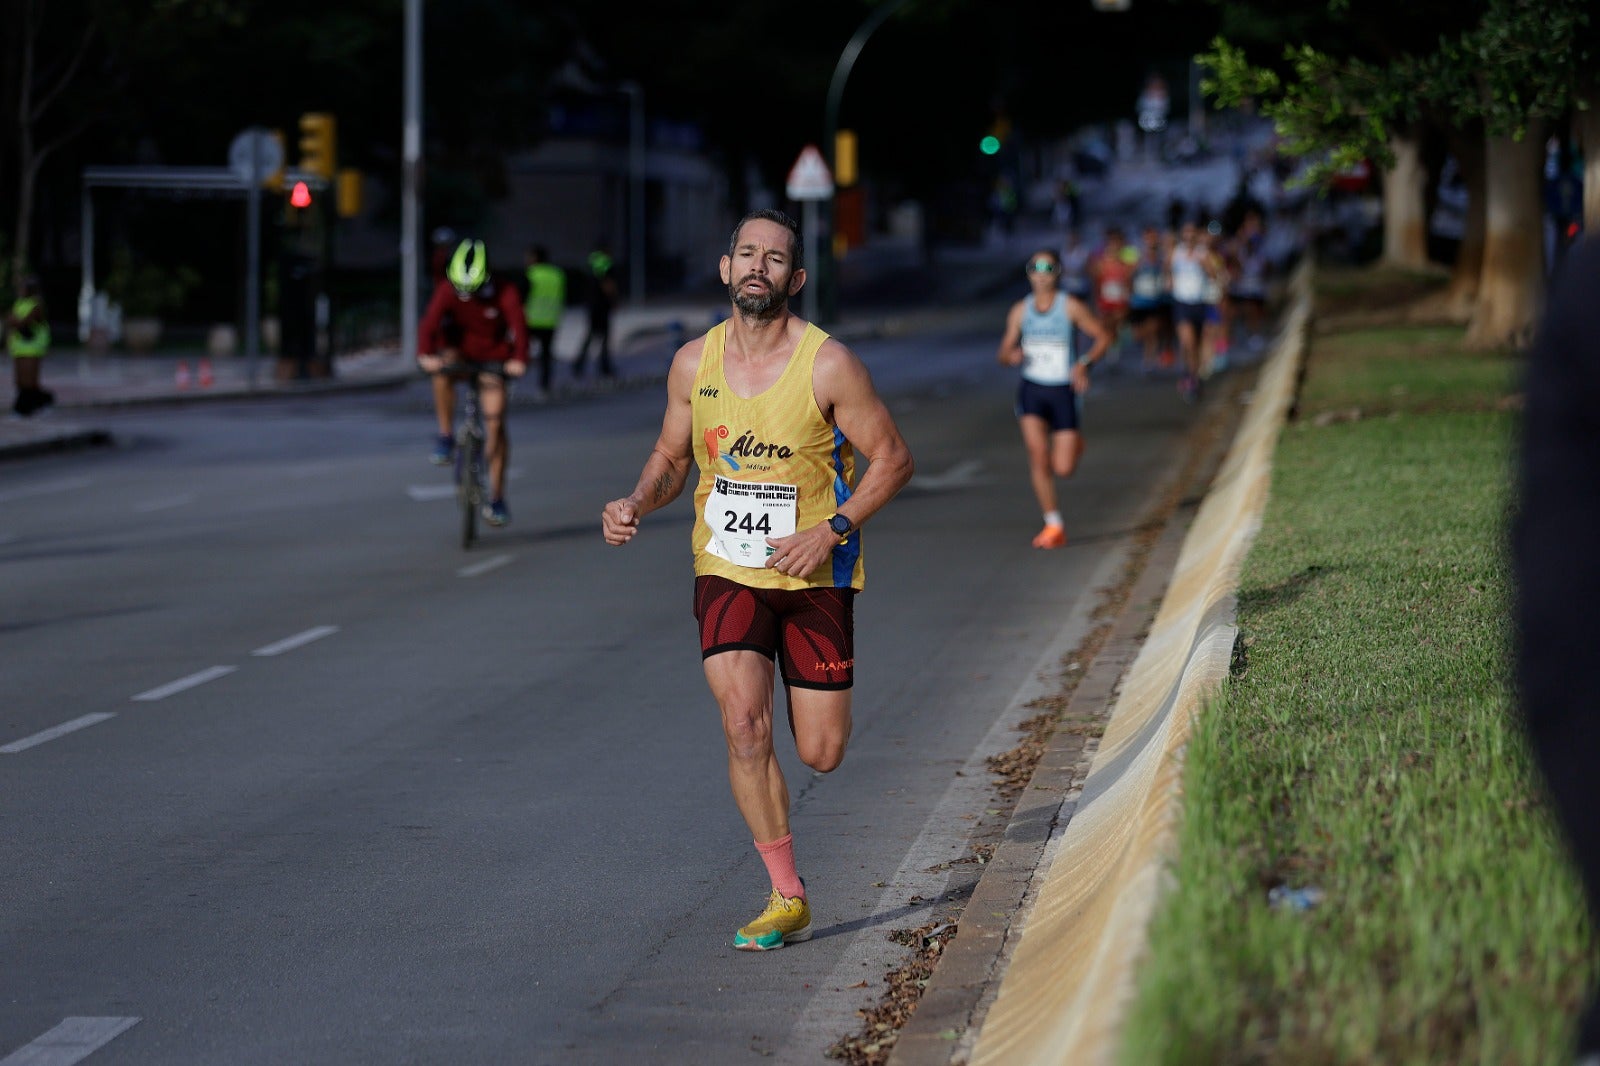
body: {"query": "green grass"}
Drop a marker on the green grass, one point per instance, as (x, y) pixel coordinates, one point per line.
(1366, 744)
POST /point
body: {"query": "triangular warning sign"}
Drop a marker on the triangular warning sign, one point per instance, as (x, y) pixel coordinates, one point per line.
(809, 178)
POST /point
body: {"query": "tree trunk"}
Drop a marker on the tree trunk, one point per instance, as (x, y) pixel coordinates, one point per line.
(1405, 222)
(24, 147)
(27, 172)
(1462, 292)
(1512, 283)
(1586, 125)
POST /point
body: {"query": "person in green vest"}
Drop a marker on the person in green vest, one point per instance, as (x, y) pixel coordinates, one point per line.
(547, 298)
(27, 341)
(602, 292)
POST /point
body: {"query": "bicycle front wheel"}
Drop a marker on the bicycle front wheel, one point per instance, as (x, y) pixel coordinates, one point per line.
(469, 487)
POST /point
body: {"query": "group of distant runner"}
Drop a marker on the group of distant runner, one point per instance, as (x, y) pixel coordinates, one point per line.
(1180, 295)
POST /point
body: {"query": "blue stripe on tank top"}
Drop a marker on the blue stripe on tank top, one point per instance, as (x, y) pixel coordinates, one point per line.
(844, 555)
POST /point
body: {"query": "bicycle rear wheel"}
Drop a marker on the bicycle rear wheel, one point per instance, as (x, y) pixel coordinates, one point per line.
(469, 486)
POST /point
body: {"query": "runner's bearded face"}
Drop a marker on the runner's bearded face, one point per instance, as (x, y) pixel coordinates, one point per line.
(765, 304)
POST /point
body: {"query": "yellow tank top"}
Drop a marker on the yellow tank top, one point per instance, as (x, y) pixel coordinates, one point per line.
(769, 465)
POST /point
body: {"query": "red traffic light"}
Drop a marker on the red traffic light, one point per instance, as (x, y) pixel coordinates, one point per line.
(301, 195)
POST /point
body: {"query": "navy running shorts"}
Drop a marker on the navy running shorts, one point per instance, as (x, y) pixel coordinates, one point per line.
(1194, 314)
(811, 632)
(1056, 404)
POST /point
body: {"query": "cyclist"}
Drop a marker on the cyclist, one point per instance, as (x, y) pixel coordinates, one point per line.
(473, 318)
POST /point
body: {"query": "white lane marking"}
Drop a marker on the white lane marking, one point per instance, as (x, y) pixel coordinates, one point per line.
(210, 673)
(291, 643)
(424, 493)
(494, 562)
(162, 505)
(55, 731)
(74, 1040)
(70, 484)
(959, 476)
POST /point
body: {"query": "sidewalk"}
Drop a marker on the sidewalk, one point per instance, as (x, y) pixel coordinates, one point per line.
(885, 289)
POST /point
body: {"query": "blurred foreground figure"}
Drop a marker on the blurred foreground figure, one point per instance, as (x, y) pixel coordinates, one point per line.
(1556, 559)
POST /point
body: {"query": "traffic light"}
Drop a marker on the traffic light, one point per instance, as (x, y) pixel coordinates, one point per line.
(317, 143)
(844, 158)
(995, 139)
(349, 192)
(298, 203)
(274, 181)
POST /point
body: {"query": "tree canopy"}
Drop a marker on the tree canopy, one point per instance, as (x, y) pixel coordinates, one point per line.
(173, 81)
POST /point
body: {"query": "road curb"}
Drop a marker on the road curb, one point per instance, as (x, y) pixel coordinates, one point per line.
(66, 440)
(944, 1028)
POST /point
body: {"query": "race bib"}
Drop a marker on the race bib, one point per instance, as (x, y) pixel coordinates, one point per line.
(743, 514)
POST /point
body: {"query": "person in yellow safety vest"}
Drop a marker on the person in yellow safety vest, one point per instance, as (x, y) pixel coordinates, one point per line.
(602, 298)
(27, 341)
(547, 298)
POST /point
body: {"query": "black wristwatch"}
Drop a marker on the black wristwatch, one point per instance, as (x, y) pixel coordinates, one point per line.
(841, 526)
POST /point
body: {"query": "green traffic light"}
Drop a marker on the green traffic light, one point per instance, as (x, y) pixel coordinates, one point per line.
(990, 145)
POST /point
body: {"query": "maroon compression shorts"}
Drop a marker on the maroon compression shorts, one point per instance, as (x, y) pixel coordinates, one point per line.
(811, 632)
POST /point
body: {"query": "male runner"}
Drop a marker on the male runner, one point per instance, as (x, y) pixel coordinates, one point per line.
(773, 412)
(1149, 310)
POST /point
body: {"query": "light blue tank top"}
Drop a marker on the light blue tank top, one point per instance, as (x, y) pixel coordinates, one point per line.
(1047, 343)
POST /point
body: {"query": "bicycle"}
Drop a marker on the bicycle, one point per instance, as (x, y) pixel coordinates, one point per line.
(471, 462)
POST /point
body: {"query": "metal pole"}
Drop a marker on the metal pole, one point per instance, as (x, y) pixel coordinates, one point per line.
(636, 251)
(411, 181)
(808, 227)
(252, 282)
(1197, 107)
(86, 286)
(826, 274)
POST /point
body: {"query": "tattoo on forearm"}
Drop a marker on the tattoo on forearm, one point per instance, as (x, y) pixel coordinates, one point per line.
(663, 487)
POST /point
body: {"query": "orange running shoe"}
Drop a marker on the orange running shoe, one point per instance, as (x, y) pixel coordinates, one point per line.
(1051, 537)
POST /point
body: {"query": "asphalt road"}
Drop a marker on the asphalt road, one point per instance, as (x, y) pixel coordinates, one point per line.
(287, 776)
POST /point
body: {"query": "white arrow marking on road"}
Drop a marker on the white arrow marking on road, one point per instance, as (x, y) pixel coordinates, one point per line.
(55, 731)
(423, 493)
(492, 563)
(74, 1040)
(210, 673)
(959, 476)
(299, 639)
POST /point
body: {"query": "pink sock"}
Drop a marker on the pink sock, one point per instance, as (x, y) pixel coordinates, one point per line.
(779, 857)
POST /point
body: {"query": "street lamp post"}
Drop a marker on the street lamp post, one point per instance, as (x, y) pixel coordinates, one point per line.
(827, 281)
(635, 190)
(411, 181)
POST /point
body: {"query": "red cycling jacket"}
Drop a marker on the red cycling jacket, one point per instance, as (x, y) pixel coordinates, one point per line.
(486, 327)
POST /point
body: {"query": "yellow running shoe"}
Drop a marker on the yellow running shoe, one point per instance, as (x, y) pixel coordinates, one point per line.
(787, 920)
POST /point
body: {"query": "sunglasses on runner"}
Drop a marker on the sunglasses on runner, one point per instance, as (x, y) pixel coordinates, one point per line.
(1042, 266)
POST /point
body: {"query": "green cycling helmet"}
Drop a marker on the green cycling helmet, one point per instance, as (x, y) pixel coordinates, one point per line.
(469, 267)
